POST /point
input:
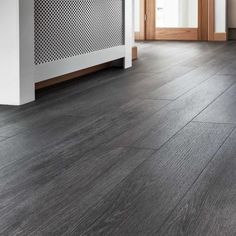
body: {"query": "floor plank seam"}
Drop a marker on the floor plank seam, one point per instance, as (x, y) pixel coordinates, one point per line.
(147, 117)
(182, 127)
(120, 182)
(125, 179)
(187, 123)
(196, 86)
(135, 147)
(74, 138)
(217, 123)
(202, 171)
(108, 193)
(158, 99)
(26, 129)
(214, 101)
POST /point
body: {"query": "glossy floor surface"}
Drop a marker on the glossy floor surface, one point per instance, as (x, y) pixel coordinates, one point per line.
(146, 151)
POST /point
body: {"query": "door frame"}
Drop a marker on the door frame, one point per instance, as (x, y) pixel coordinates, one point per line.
(204, 32)
(189, 34)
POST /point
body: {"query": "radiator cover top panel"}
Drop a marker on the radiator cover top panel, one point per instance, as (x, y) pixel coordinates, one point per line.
(68, 28)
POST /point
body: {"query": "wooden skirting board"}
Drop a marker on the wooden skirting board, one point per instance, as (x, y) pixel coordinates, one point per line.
(80, 73)
(177, 34)
(70, 76)
(220, 37)
(135, 53)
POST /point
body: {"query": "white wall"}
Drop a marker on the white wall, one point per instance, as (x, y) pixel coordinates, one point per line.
(220, 16)
(232, 13)
(16, 63)
(9, 56)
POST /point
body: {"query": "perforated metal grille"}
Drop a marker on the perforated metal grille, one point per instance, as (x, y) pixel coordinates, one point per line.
(67, 28)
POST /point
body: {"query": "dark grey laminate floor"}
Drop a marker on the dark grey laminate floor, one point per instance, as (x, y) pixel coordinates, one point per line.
(145, 151)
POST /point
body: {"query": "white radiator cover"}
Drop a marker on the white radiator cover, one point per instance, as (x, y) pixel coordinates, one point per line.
(42, 39)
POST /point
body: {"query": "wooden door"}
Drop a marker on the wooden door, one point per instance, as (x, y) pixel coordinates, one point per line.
(204, 27)
(172, 19)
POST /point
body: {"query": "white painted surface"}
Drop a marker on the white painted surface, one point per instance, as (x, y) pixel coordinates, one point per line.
(9, 52)
(128, 33)
(220, 16)
(53, 69)
(17, 70)
(16, 65)
(27, 81)
(232, 13)
(136, 11)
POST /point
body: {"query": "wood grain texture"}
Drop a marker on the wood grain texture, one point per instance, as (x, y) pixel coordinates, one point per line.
(230, 69)
(203, 20)
(151, 19)
(209, 207)
(70, 76)
(181, 85)
(140, 204)
(222, 110)
(176, 34)
(155, 131)
(62, 171)
(220, 36)
(135, 53)
(211, 20)
(84, 181)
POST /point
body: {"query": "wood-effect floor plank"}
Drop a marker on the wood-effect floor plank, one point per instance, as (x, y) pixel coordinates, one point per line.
(35, 198)
(140, 204)
(229, 70)
(160, 127)
(209, 207)
(210, 52)
(222, 110)
(182, 55)
(68, 131)
(48, 134)
(2, 138)
(63, 172)
(183, 84)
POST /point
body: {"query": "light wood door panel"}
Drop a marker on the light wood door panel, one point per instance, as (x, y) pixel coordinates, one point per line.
(176, 34)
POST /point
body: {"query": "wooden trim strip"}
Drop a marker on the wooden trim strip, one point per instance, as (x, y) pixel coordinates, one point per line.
(70, 76)
(220, 36)
(211, 19)
(177, 34)
(214, 36)
(151, 19)
(203, 20)
(135, 53)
